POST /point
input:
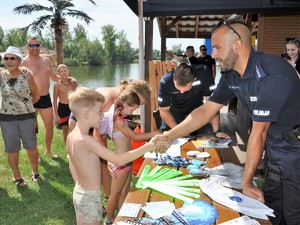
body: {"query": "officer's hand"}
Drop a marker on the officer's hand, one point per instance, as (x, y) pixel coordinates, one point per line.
(254, 192)
(161, 143)
(222, 135)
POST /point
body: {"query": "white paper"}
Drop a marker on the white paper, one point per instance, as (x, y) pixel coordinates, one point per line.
(157, 210)
(227, 174)
(130, 210)
(235, 200)
(243, 220)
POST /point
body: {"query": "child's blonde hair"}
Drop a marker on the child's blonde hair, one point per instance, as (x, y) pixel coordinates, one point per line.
(83, 97)
(62, 65)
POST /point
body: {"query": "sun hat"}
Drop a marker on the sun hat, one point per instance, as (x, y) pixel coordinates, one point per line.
(12, 50)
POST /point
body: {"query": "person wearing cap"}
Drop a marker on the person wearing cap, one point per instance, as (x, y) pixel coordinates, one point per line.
(42, 72)
(17, 114)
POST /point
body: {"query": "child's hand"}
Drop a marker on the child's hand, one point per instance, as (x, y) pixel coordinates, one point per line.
(160, 143)
(58, 119)
(111, 172)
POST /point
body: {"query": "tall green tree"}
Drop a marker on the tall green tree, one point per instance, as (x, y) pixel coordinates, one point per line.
(57, 15)
(124, 50)
(110, 37)
(79, 32)
(176, 49)
(47, 38)
(15, 37)
(94, 52)
(2, 44)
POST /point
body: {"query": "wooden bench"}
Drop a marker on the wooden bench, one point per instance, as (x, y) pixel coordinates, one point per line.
(218, 156)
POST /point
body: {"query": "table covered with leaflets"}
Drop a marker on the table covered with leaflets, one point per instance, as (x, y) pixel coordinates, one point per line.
(160, 187)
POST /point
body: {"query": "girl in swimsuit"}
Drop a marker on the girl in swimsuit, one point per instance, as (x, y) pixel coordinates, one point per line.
(120, 133)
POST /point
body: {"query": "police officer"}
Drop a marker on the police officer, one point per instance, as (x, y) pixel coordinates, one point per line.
(269, 89)
(180, 92)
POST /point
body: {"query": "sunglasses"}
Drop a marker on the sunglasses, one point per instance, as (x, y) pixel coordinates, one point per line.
(204, 49)
(9, 58)
(223, 22)
(34, 45)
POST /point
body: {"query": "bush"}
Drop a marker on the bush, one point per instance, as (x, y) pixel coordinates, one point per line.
(71, 62)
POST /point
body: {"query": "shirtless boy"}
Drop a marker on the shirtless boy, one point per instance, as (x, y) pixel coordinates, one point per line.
(60, 92)
(84, 152)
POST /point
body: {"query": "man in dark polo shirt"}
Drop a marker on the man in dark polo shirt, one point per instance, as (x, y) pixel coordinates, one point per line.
(204, 58)
(269, 89)
(180, 92)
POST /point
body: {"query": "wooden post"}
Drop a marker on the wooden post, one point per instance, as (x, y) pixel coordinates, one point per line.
(148, 58)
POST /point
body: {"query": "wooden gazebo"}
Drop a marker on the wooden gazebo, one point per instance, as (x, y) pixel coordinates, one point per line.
(271, 22)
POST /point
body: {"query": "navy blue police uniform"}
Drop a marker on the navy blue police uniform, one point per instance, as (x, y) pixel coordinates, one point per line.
(270, 92)
(209, 61)
(182, 104)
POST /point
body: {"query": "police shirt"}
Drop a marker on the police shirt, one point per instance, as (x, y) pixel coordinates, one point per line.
(269, 91)
(182, 104)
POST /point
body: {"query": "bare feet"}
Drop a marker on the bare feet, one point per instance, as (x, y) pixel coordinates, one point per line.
(51, 155)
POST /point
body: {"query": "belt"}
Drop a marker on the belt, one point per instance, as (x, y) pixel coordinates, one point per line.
(290, 135)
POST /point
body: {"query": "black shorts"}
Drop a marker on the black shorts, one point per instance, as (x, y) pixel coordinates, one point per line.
(44, 102)
(64, 113)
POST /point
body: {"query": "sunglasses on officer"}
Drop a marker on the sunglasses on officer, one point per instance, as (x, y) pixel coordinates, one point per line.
(223, 22)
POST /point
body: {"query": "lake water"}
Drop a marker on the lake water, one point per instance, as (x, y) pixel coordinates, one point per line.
(102, 76)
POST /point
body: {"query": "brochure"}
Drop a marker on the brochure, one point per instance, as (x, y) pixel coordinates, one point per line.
(211, 142)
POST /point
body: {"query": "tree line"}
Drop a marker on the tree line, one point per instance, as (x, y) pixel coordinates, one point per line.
(77, 48)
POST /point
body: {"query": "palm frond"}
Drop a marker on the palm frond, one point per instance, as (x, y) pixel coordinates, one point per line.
(61, 5)
(25, 29)
(29, 8)
(40, 23)
(79, 15)
(93, 2)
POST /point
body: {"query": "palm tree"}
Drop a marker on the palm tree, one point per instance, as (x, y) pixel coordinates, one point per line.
(58, 12)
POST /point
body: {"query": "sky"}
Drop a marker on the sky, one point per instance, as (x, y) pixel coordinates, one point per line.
(114, 12)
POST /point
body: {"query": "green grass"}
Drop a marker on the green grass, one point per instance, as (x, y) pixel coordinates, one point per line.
(47, 202)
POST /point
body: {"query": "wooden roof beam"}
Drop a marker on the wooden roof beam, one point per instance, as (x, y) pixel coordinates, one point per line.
(196, 26)
(170, 25)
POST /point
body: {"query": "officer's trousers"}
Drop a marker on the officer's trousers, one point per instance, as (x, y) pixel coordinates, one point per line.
(282, 181)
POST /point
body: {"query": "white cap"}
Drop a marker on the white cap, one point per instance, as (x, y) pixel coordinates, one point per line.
(13, 50)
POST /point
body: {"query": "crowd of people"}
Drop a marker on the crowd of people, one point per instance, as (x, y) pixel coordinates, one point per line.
(88, 117)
